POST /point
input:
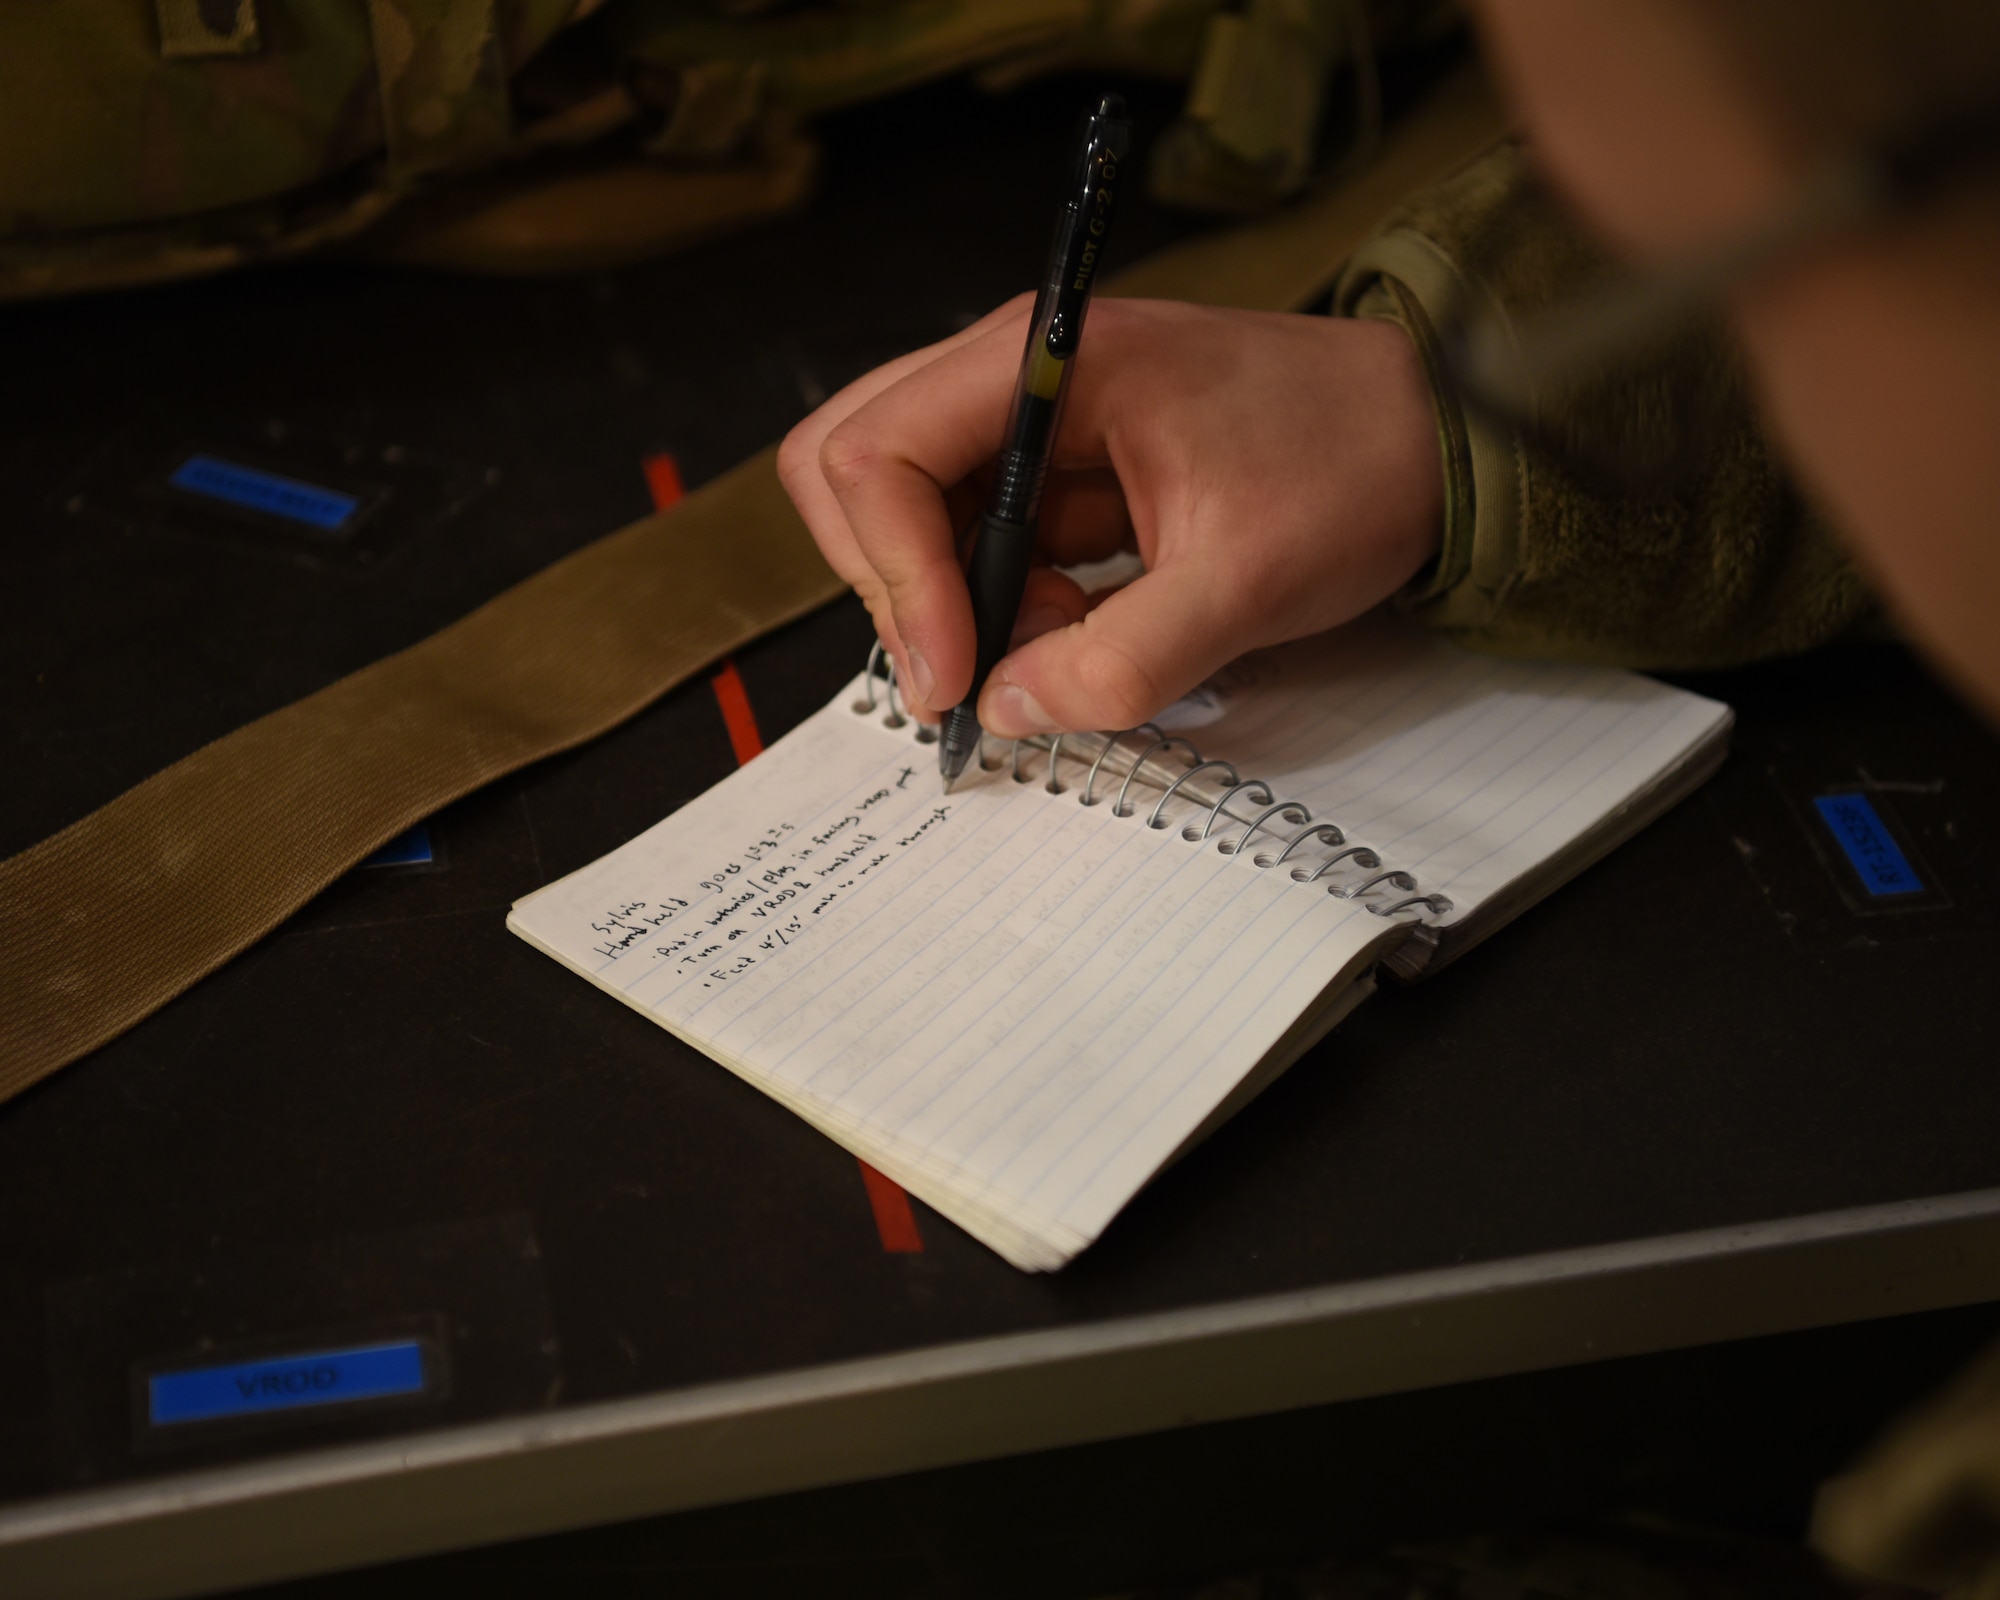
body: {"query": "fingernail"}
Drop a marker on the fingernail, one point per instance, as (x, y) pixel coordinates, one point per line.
(922, 682)
(1035, 622)
(1012, 713)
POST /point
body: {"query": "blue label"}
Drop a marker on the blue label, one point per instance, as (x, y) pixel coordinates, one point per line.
(1872, 849)
(322, 1377)
(326, 509)
(411, 849)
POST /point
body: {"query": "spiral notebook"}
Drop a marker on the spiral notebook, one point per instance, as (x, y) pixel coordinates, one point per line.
(1023, 999)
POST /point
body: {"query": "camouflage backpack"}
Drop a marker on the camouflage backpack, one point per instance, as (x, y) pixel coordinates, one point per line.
(148, 139)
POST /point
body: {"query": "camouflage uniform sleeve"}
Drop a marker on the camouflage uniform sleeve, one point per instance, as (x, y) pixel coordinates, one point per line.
(1535, 561)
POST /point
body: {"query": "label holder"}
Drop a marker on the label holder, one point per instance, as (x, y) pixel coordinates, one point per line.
(427, 1336)
(1868, 854)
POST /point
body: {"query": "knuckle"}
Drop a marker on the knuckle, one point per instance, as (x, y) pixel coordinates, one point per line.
(900, 589)
(1115, 322)
(797, 454)
(878, 590)
(845, 457)
(1111, 316)
(881, 612)
(876, 599)
(1117, 685)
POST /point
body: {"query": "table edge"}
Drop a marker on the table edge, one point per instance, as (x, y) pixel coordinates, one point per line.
(545, 1472)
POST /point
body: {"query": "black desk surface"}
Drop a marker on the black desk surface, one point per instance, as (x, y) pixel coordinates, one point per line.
(392, 1113)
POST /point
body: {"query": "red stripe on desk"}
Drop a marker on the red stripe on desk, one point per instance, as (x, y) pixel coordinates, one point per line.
(663, 478)
(894, 1220)
(737, 716)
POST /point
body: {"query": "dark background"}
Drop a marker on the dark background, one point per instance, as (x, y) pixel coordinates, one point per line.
(364, 1118)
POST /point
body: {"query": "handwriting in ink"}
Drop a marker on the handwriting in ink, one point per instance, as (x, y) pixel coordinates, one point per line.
(730, 908)
(925, 827)
(767, 843)
(778, 902)
(778, 938)
(856, 848)
(773, 839)
(624, 925)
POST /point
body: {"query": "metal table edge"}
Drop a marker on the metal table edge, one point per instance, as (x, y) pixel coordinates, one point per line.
(677, 1450)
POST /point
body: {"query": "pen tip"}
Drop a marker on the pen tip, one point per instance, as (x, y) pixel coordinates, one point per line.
(1111, 105)
(949, 779)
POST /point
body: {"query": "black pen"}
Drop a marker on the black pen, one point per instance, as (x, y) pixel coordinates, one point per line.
(998, 570)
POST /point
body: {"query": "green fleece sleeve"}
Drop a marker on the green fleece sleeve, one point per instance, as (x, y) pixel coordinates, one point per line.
(1727, 567)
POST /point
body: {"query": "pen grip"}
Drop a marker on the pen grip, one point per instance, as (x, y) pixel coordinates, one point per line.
(1017, 482)
(997, 575)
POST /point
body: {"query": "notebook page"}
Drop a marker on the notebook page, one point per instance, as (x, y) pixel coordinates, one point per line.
(1000, 992)
(1466, 771)
(1020, 1006)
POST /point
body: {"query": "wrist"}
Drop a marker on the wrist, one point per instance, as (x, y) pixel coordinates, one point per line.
(1434, 475)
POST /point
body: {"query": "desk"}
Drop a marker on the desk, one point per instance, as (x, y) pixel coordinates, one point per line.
(1695, 1097)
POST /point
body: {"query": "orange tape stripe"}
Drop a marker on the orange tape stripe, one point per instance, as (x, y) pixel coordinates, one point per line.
(737, 716)
(894, 1220)
(663, 478)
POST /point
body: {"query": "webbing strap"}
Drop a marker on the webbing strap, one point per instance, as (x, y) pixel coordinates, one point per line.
(317, 786)
(205, 858)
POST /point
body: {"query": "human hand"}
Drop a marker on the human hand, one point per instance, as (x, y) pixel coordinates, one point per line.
(1277, 474)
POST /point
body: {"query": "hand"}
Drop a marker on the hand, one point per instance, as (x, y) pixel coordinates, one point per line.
(1278, 475)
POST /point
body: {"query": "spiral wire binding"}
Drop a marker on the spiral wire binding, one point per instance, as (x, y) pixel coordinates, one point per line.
(1343, 852)
(878, 661)
(1235, 781)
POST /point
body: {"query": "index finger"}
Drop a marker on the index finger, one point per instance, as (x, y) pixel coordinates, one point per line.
(799, 453)
(889, 464)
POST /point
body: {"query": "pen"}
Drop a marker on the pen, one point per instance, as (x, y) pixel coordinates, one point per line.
(998, 569)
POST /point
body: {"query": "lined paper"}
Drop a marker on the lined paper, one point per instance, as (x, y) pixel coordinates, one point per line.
(1019, 1006)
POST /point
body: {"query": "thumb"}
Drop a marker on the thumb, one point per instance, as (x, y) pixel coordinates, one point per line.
(1131, 657)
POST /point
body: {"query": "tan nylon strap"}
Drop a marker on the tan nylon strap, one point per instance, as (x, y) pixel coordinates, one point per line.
(324, 782)
(554, 661)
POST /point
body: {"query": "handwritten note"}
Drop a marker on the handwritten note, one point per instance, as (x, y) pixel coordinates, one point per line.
(1019, 1005)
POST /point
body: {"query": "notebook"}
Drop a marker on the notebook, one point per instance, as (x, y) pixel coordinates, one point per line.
(1023, 999)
